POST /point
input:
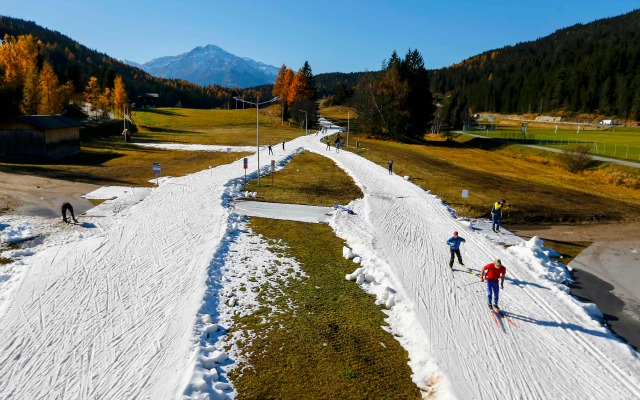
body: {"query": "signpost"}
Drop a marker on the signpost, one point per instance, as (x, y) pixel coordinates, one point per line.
(156, 171)
(246, 165)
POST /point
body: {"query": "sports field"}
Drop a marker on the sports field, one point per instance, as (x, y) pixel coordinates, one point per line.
(620, 142)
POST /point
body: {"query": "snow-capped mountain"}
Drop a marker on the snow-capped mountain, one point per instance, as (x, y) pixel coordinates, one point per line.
(211, 65)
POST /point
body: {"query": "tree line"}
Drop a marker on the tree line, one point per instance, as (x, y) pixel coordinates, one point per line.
(29, 85)
(592, 68)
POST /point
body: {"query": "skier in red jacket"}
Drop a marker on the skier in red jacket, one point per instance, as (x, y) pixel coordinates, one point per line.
(493, 273)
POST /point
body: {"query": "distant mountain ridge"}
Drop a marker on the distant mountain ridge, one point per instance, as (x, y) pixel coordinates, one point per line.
(211, 65)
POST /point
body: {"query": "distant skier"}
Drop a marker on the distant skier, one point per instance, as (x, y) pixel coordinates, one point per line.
(493, 273)
(283, 144)
(67, 207)
(328, 144)
(496, 215)
(270, 147)
(390, 165)
(454, 245)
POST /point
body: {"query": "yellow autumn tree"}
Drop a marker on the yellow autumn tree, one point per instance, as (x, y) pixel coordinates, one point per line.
(119, 96)
(278, 83)
(286, 84)
(48, 88)
(298, 85)
(18, 57)
(92, 93)
(30, 93)
(104, 102)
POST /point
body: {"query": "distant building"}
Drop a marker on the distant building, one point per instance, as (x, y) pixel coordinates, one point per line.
(606, 122)
(52, 136)
(147, 100)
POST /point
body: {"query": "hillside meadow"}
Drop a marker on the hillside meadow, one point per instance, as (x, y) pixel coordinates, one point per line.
(219, 127)
(534, 182)
(106, 160)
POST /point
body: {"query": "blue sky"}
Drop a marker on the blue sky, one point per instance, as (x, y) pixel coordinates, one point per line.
(334, 36)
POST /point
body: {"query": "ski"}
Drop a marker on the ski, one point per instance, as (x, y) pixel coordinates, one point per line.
(470, 271)
(495, 318)
(503, 315)
(499, 313)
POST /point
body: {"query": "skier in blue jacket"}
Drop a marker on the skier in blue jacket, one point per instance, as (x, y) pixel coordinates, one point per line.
(454, 245)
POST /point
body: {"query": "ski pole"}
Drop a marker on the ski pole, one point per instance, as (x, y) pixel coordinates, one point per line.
(470, 283)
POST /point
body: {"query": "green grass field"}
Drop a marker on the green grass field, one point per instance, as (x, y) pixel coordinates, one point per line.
(613, 142)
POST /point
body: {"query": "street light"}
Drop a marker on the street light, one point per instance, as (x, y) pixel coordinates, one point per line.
(348, 124)
(306, 131)
(257, 104)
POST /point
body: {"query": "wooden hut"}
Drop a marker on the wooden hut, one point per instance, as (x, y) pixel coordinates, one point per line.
(52, 136)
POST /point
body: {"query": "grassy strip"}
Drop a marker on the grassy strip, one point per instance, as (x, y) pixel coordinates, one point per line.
(537, 188)
(569, 250)
(308, 179)
(221, 127)
(333, 347)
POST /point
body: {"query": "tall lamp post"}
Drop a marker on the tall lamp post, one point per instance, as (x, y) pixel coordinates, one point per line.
(348, 124)
(257, 104)
(306, 131)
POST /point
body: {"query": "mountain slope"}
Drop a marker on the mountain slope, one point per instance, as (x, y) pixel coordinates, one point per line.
(76, 63)
(588, 68)
(211, 65)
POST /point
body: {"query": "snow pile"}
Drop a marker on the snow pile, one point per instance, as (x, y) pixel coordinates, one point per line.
(15, 234)
(536, 256)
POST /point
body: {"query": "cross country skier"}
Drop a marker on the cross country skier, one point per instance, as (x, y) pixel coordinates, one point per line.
(493, 273)
(454, 245)
(67, 207)
(496, 215)
(390, 165)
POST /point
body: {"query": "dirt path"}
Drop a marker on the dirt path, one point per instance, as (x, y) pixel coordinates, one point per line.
(33, 195)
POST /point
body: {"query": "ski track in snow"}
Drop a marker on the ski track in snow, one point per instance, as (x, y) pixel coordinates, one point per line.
(127, 310)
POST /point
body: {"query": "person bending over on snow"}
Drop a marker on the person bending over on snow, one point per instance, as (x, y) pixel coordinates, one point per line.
(493, 273)
(67, 207)
(496, 215)
(454, 245)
